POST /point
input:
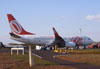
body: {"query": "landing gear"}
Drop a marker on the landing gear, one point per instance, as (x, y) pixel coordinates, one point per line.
(84, 47)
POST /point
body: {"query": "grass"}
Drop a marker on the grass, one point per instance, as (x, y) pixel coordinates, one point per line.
(82, 58)
(38, 61)
(14, 61)
(85, 51)
(88, 56)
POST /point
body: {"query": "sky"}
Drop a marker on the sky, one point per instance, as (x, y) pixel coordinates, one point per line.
(39, 16)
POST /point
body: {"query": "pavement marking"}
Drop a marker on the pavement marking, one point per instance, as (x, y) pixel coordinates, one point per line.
(36, 55)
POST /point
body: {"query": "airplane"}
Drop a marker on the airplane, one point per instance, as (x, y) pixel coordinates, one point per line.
(18, 33)
(73, 41)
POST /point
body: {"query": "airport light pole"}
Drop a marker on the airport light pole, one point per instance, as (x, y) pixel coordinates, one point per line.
(31, 61)
(80, 32)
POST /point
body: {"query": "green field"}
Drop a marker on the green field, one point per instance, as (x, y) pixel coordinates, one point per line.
(82, 58)
(37, 60)
(84, 51)
(88, 56)
(8, 61)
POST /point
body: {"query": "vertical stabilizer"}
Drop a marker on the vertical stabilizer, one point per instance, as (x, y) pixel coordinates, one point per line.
(16, 28)
(59, 41)
(55, 32)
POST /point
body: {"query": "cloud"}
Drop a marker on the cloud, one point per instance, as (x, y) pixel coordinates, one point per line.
(95, 18)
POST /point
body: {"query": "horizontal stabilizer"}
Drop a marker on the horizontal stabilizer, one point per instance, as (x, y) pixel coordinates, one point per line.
(14, 35)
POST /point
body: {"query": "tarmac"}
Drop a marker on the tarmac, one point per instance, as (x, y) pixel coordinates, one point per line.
(49, 55)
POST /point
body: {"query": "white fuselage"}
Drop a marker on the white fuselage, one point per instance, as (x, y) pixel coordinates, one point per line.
(36, 39)
(47, 40)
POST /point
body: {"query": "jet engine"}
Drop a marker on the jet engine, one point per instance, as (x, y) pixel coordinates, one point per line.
(70, 44)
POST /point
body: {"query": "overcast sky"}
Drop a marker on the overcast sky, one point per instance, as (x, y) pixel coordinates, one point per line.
(39, 16)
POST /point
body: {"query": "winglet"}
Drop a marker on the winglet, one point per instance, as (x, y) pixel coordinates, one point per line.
(55, 32)
(59, 41)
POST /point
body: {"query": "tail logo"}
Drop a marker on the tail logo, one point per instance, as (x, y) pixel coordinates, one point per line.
(15, 27)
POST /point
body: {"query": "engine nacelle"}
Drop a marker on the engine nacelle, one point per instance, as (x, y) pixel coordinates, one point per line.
(70, 44)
